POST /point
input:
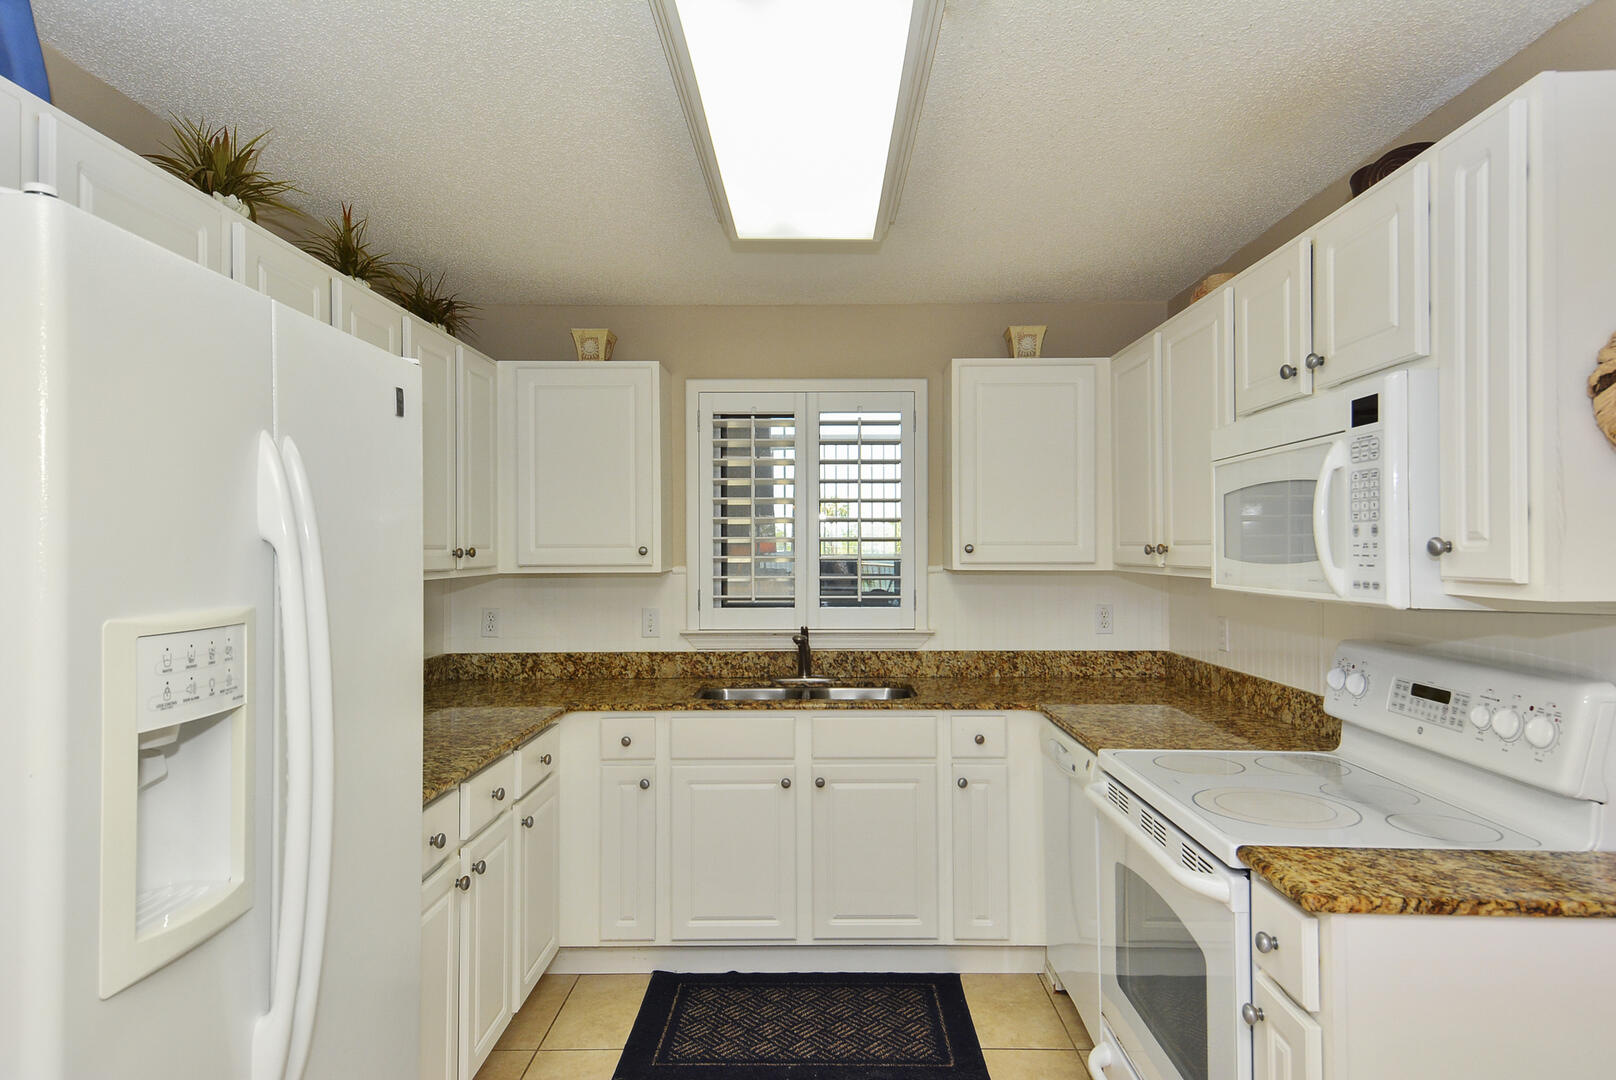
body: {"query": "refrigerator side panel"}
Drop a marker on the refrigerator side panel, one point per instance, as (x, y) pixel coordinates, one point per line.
(338, 399)
(142, 385)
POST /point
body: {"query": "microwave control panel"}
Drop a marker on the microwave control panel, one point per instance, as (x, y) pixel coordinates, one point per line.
(1366, 564)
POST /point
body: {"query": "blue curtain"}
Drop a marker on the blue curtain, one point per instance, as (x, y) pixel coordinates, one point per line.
(20, 58)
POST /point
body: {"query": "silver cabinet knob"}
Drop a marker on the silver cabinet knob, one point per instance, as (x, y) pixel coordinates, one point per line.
(439, 840)
(645, 785)
(527, 822)
(1287, 371)
(644, 550)
(471, 553)
(545, 760)
(970, 549)
(1161, 549)
(1150, 549)
(1313, 361)
(463, 882)
(627, 741)
(1251, 1014)
(980, 739)
(481, 866)
(1265, 942)
(1436, 547)
(819, 781)
(785, 781)
(498, 794)
(459, 553)
(963, 782)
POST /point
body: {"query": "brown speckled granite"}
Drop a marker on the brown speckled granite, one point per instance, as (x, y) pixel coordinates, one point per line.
(1384, 881)
(1263, 697)
(459, 739)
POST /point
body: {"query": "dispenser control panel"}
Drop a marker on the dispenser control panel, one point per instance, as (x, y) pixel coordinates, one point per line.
(188, 675)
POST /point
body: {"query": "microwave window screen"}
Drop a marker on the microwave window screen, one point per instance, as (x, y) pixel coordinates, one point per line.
(1270, 524)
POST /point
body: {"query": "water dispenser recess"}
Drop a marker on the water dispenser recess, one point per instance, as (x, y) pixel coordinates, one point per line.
(176, 778)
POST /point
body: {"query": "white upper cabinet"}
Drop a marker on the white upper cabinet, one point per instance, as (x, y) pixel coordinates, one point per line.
(719, 812)
(368, 317)
(19, 141)
(1135, 452)
(587, 445)
(1372, 293)
(267, 264)
(459, 451)
(1025, 446)
(476, 457)
(1273, 329)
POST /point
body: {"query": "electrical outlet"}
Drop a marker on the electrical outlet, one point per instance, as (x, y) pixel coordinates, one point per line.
(1102, 619)
(1225, 643)
(650, 622)
(490, 622)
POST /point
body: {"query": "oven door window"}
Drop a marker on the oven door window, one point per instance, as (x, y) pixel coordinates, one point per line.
(1163, 972)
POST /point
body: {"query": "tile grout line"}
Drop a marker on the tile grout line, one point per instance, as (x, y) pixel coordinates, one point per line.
(551, 1025)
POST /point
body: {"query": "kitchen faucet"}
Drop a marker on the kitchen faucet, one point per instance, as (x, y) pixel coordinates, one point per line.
(805, 656)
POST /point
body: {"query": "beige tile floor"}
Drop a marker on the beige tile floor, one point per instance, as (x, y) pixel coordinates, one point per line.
(573, 1027)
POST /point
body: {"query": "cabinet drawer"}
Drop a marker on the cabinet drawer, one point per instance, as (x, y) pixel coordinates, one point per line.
(486, 794)
(719, 738)
(979, 735)
(536, 759)
(1293, 959)
(627, 738)
(440, 818)
(868, 734)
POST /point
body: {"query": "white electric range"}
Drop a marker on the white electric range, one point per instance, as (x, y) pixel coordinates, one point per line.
(1434, 753)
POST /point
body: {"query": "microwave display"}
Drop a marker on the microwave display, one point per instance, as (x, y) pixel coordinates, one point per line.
(1366, 410)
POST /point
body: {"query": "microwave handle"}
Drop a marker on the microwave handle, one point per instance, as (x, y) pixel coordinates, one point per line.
(1334, 461)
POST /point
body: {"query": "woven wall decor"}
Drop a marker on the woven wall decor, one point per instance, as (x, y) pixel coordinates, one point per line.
(1602, 389)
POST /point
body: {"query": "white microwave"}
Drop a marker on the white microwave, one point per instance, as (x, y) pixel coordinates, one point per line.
(1333, 497)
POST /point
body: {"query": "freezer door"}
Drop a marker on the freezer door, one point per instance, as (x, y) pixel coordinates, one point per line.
(353, 413)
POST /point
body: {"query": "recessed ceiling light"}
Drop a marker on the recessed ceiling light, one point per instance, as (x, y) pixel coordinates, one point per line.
(803, 111)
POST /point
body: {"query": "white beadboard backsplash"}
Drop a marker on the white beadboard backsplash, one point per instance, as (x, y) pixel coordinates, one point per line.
(601, 613)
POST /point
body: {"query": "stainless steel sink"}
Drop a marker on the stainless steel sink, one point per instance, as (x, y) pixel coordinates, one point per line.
(805, 693)
(859, 693)
(750, 693)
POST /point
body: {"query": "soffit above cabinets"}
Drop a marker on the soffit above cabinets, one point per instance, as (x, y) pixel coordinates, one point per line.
(536, 150)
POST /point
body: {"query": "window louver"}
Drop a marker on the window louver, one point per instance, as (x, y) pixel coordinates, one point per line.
(754, 506)
(860, 509)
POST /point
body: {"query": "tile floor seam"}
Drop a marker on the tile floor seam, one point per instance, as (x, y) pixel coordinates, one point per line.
(547, 1027)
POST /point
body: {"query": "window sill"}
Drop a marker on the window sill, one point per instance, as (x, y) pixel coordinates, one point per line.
(752, 640)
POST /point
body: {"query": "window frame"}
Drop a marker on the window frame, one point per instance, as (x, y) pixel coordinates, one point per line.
(810, 397)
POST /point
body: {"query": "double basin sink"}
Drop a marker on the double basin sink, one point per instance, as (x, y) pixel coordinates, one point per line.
(806, 693)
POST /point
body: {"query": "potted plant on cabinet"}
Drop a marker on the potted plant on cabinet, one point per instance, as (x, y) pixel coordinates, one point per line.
(424, 296)
(213, 159)
(340, 242)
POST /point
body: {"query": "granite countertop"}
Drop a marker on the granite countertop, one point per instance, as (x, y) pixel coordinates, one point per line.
(1385, 881)
(459, 740)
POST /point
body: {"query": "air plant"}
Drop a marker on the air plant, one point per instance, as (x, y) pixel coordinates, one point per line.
(423, 295)
(341, 244)
(214, 159)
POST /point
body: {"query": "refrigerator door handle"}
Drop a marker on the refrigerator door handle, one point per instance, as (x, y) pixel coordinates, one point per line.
(277, 524)
(323, 755)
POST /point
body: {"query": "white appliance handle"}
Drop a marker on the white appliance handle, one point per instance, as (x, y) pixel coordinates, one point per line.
(1211, 888)
(1101, 1057)
(277, 524)
(1334, 461)
(323, 754)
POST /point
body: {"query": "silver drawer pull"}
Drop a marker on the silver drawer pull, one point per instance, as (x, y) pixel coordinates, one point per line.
(545, 760)
(627, 741)
(527, 822)
(471, 553)
(980, 739)
(463, 882)
(1265, 942)
(819, 781)
(970, 549)
(481, 866)
(1313, 361)
(498, 794)
(963, 782)
(439, 840)
(645, 785)
(1251, 1014)
(785, 781)
(644, 550)
(1287, 371)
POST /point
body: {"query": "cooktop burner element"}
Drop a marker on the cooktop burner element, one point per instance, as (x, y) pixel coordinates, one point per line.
(1289, 808)
(1305, 765)
(1441, 827)
(1199, 764)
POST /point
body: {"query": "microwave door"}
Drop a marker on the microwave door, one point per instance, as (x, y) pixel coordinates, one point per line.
(1268, 516)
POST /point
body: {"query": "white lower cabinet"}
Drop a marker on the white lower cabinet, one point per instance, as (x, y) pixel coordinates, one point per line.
(538, 838)
(875, 850)
(734, 844)
(485, 942)
(628, 855)
(440, 974)
(981, 852)
(1289, 1044)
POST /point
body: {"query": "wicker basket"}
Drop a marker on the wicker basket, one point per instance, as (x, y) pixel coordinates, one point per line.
(1602, 389)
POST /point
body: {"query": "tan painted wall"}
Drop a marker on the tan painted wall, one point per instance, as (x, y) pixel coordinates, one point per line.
(810, 342)
(1585, 41)
(85, 97)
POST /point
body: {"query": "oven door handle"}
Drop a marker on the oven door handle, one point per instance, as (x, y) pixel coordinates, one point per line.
(1212, 888)
(1335, 459)
(1102, 1055)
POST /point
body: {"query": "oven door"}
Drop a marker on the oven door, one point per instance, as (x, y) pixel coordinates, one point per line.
(1175, 965)
(1280, 520)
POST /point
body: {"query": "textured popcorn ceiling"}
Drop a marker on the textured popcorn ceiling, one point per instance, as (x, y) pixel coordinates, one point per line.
(1069, 149)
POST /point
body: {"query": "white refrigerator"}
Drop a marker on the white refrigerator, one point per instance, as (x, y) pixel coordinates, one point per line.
(210, 619)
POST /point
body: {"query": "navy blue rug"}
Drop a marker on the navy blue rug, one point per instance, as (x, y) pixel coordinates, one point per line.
(842, 1026)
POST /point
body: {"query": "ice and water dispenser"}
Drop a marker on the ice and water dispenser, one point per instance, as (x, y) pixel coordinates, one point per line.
(176, 790)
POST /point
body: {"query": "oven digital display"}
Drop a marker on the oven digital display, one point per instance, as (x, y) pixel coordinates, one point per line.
(1431, 693)
(1366, 410)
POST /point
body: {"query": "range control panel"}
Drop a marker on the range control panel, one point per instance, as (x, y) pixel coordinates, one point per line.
(189, 675)
(1546, 729)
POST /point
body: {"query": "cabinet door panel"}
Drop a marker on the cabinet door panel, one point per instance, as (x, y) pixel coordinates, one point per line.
(439, 357)
(269, 265)
(734, 852)
(485, 943)
(19, 139)
(981, 852)
(875, 851)
(1195, 377)
(368, 317)
(1373, 262)
(1481, 268)
(538, 834)
(1273, 327)
(440, 974)
(477, 461)
(1024, 461)
(1288, 1043)
(627, 853)
(1135, 406)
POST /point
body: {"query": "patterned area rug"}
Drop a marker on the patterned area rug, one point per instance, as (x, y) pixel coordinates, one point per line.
(803, 1027)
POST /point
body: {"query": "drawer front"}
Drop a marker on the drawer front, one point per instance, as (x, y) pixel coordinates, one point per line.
(486, 794)
(627, 738)
(1291, 941)
(536, 759)
(978, 735)
(867, 733)
(719, 738)
(441, 818)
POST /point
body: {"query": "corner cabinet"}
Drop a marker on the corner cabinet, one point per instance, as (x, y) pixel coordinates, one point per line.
(1028, 437)
(459, 451)
(585, 492)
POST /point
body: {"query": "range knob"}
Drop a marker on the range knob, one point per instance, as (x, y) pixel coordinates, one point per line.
(1481, 718)
(1541, 731)
(1357, 684)
(1507, 723)
(1336, 678)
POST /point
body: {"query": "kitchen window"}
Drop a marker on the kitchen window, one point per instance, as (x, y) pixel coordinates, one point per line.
(806, 505)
